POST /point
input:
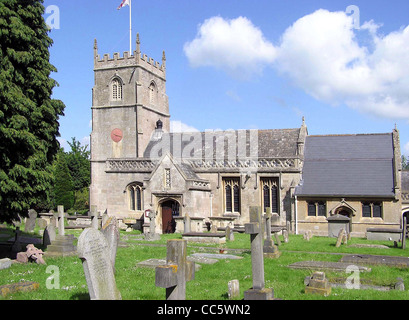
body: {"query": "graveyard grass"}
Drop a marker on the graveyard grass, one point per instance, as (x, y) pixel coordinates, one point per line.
(210, 283)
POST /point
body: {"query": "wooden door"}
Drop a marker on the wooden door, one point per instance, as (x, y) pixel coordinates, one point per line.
(167, 220)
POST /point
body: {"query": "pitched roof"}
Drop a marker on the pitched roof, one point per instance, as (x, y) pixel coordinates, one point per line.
(277, 143)
(348, 165)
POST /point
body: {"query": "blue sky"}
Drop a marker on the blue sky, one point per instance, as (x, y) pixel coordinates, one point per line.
(248, 64)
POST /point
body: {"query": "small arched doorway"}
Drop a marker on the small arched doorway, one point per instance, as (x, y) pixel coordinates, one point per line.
(170, 209)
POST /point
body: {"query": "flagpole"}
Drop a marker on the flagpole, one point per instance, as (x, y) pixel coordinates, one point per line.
(130, 27)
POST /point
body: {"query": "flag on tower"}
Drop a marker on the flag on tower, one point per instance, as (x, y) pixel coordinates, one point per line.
(123, 4)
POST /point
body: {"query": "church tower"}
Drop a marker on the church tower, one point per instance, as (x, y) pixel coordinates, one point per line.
(128, 99)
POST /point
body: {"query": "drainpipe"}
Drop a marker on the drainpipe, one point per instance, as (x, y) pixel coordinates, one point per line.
(296, 218)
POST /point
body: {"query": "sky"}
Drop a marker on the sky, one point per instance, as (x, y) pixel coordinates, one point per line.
(241, 64)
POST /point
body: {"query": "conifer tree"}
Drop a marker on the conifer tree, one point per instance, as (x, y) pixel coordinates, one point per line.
(28, 115)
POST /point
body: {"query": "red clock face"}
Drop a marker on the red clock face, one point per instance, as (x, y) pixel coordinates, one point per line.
(116, 135)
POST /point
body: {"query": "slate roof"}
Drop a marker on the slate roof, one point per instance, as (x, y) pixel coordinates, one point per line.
(348, 165)
(277, 143)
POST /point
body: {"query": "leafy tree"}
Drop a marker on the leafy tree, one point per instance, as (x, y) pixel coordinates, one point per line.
(28, 116)
(64, 186)
(405, 163)
(79, 165)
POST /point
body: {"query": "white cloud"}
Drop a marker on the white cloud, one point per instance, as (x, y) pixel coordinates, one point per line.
(235, 46)
(405, 150)
(178, 126)
(321, 54)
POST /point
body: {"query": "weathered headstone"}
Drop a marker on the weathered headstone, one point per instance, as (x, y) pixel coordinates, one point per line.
(94, 253)
(229, 234)
(187, 224)
(270, 250)
(49, 234)
(30, 221)
(111, 232)
(176, 272)
(285, 236)
(318, 284)
(152, 235)
(5, 263)
(255, 229)
(342, 238)
(233, 289)
(307, 235)
(61, 225)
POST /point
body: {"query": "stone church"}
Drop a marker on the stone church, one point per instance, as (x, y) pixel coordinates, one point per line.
(138, 165)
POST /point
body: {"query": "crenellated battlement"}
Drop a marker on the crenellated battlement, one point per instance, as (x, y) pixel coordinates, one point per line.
(128, 59)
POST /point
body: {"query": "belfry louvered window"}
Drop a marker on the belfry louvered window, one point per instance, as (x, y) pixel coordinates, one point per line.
(116, 88)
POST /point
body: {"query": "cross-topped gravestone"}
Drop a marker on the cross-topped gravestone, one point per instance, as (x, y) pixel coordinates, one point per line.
(176, 272)
(94, 252)
(152, 235)
(255, 230)
(270, 249)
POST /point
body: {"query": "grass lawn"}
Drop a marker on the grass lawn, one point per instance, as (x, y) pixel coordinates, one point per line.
(210, 281)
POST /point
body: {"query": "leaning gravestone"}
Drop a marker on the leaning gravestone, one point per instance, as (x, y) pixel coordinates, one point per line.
(152, 235)
(111, 232)
(94, 253)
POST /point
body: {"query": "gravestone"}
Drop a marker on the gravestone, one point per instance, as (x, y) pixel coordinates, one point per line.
(285, 236)
(307, 235)
(60, 221)
(30, 221)
(176, 272)
(255, 230)
(318, 284)
(342, 238)
(233, 287)
(111, 232)
(187, 224)
(270, 250)
(152, 235)
(229, 234)
(94, 253)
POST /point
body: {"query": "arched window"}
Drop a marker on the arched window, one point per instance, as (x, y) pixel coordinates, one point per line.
(153, 91)
(270, 194)
(116, 87)
(232, 195)
(135, 196)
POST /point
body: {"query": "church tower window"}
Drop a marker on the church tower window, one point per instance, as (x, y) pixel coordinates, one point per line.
(153, 92)
(116, 88)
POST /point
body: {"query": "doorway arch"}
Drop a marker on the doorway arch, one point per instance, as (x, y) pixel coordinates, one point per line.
(170, 209)
(347, 212)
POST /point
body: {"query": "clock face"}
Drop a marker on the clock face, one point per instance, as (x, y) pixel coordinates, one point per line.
(116, 135)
